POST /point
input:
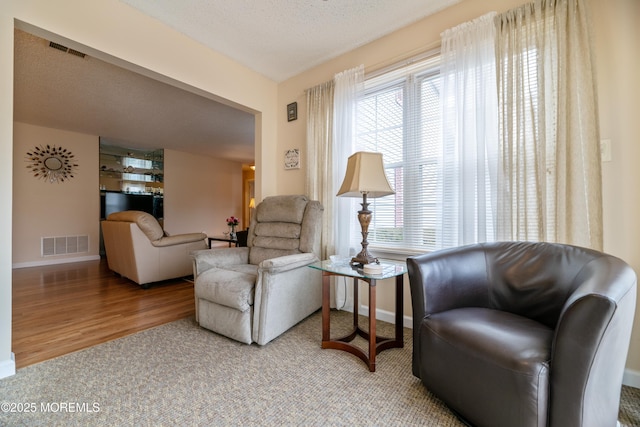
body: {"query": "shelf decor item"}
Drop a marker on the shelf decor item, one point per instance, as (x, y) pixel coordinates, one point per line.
(51, 163)
(232, 222)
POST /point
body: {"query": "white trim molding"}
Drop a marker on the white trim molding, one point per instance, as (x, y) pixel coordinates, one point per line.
(386, 316)
(8, 367)
(56, 261)
(631, 378)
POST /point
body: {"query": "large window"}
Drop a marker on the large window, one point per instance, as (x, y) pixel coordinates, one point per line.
(400, 117)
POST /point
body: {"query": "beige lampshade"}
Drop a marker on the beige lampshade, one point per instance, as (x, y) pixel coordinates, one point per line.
(365, 174)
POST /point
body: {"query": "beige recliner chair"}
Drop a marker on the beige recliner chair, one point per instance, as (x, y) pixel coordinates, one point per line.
(257, 292)
(138, 249)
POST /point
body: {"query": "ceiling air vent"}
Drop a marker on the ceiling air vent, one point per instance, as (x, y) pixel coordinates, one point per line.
(66, 49)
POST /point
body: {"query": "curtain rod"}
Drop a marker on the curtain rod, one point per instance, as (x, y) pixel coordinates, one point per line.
(402, 60)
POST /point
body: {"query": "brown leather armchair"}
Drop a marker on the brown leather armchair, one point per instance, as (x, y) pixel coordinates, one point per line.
(523, 334)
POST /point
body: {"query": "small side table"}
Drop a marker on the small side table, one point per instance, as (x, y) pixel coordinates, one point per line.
(376, 343)
(222, 239)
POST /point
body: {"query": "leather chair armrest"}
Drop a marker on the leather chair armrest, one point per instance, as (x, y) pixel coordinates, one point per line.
(445, 280)
(597, 318)
(448, 279)
(178, 239)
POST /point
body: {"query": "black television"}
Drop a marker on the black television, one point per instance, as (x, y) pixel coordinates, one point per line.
(115, 201)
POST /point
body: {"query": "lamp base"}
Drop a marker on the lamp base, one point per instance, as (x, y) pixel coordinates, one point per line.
(364, 217)
(363, 258)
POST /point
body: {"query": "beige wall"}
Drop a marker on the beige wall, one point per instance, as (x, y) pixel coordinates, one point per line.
(115, 32)
(402, 44)
(143, 41)
(200, 193)
(617, 55)
(618, 60)
(409, 41)
(44, 209)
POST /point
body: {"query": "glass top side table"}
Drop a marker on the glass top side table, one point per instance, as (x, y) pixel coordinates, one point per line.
(222, 239)
(377, 344)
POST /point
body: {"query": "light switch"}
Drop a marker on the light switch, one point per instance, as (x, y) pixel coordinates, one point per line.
(605, 150)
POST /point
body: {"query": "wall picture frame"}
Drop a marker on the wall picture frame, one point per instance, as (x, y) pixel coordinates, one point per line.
(292, 159)
(292, 111)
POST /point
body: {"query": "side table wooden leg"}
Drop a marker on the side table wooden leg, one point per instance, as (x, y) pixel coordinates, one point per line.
(400, 310)
(372, 325)
(356, 304)
(326, 308)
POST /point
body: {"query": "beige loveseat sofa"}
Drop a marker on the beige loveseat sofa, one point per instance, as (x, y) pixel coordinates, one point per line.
(257, 292)
(138, 249)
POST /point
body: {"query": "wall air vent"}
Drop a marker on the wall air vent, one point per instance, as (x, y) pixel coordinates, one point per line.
(76, 53)
(58, 46)
(66, 49)
(64, 245)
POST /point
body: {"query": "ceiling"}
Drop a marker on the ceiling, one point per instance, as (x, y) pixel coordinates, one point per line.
(276, 38)
(60, 90)
(282, 38)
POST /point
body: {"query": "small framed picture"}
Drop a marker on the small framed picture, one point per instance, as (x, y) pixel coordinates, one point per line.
(292, 159)
(292, 111)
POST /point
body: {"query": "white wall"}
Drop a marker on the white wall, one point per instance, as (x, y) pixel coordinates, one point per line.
(7, 364)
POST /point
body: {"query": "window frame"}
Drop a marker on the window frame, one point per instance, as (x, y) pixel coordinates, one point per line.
(408, 78)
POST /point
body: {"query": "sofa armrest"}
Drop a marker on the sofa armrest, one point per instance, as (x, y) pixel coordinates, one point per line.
(178, 239)
(286, 263)
(211, 258)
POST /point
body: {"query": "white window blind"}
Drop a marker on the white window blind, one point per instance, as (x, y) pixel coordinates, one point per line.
(399, 116)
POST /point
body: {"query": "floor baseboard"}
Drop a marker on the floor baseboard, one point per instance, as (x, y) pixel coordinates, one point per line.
(8, 367)
(631, 378)
(56, 261)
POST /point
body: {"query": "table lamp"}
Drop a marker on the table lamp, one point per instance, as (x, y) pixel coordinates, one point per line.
(365, 177)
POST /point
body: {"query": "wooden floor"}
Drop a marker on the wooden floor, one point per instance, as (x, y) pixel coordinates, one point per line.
(67, 307)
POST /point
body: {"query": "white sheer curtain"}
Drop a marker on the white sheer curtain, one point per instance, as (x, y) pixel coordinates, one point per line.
(549, 125)
(331, 114)
(349, 88)
(320, 165)
(470, 133)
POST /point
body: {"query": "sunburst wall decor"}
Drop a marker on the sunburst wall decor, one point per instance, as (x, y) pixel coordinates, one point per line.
(51, 163)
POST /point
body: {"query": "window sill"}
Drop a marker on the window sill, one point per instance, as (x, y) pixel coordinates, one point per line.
(394, 254)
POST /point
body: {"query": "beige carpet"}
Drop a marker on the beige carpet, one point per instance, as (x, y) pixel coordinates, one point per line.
(180, 374)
